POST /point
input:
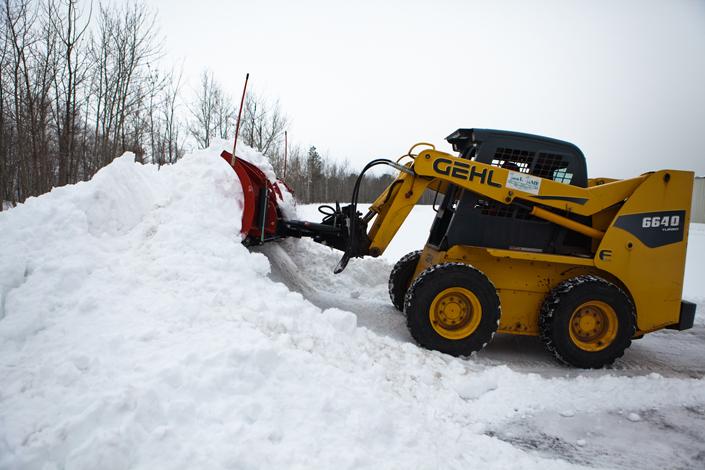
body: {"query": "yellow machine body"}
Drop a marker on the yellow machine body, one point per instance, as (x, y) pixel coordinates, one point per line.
(639, 232)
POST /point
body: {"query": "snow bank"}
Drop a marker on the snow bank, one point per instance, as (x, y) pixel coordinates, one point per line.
(137, 332)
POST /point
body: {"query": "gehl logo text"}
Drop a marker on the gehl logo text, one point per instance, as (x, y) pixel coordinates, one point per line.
(464, 171)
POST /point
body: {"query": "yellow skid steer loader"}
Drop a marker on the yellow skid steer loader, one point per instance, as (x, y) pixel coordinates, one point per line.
(524, 242)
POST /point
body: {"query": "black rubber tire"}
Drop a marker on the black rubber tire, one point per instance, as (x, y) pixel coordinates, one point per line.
(430, 283)
(400, 278)
(558, 308)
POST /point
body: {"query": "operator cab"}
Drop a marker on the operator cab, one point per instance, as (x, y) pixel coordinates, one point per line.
(465, 218)
(533, 154)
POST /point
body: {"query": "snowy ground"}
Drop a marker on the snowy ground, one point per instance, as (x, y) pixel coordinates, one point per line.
(136, 332)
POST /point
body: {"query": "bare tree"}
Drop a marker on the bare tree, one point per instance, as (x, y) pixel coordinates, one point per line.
(263, 125)
(66, 21)
(5, 134)
(173, 147)
(213, 112)
(71, 101)
(125, 45)
(163, 124)
(28, 68)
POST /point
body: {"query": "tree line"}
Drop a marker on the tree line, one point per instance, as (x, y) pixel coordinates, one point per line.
(312, 176)
(82, 82)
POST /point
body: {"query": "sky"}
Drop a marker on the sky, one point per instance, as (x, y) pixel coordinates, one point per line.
(623, 80)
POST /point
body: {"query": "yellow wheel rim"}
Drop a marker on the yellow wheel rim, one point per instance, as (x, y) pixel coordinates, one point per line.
(593, 326)
(455, 313)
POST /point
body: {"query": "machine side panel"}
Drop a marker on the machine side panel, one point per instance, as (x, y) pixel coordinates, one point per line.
(645, 246)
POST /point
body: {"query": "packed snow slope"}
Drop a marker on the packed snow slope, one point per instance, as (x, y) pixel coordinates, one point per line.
(137, 332)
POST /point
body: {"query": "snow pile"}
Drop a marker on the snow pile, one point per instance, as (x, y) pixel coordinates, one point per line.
(137, 332)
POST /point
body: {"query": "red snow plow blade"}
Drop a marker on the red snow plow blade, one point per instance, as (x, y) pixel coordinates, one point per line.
(260, 212)
(263, 218)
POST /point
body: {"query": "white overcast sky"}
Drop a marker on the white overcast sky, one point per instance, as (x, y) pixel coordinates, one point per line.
(623, 80)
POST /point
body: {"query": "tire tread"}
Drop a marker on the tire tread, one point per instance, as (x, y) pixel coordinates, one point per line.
(552, 303)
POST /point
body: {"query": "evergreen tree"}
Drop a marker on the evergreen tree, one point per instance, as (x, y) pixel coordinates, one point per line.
(314, 166)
